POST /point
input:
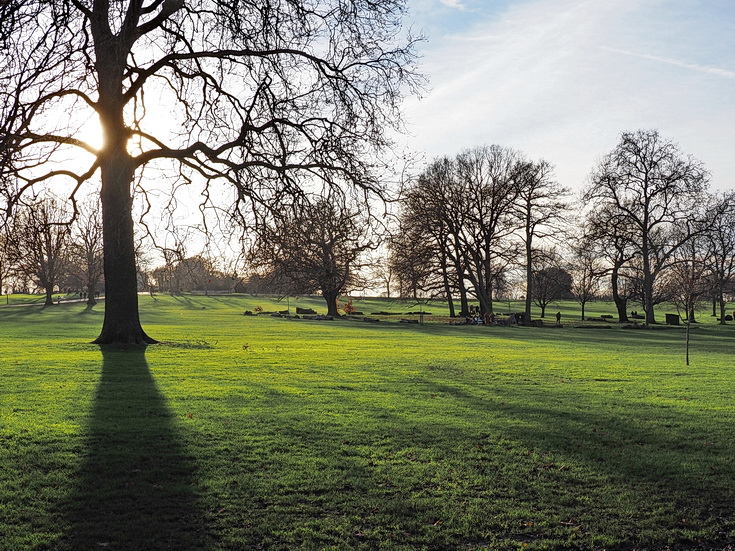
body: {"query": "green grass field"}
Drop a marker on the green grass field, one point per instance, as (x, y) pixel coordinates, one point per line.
(244, 433)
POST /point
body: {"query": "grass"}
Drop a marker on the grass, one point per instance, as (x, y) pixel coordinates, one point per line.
(263, 433)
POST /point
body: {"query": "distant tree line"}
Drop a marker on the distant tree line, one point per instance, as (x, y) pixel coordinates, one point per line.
(644, 231)
(486, 225)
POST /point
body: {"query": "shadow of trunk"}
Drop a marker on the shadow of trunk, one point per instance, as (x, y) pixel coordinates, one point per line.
(136, 485)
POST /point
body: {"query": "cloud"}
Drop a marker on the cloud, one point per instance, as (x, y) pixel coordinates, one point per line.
(453, 4)
(702, 68)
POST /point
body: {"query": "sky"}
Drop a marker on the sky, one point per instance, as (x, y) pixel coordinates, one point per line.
(560, 80)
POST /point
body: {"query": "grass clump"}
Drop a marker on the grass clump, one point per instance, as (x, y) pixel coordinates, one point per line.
(266, 433)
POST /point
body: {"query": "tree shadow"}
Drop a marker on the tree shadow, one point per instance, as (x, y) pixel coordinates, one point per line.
(136, 488)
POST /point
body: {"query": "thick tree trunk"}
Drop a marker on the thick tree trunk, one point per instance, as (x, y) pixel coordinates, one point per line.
(331, 299)
(49, 296)
(122, 321)
(91, 291)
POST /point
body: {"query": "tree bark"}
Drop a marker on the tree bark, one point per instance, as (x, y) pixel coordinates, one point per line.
(49, 296)
(91, 291)
(331, 299)
(122, 320)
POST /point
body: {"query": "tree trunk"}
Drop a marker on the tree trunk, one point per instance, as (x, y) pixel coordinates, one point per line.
(49, 296)
(331, 299)
(447, 287)
(620, 303)
(583, 311)
(722, 307)
(543, 310)
(122, 321)
(91, 290)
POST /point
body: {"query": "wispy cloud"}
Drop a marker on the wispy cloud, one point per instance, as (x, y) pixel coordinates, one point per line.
(453, 3)
(678, 63)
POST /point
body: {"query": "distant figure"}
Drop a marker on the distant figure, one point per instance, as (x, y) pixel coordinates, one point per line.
(558, 318)
(486, 318)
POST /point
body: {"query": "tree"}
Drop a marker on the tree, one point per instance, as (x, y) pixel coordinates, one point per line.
(551, 282)
(413, 260)
(490, 179)
(687, 281)
(315, 245)
(540, 205)
(39, 243)
(720, 239)
(262, 95)
(647, 182)
(586, 271)
(85, 248)
(433, 211)
(611, 236)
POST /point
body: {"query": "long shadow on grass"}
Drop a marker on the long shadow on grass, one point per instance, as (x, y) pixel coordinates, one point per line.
(136, 486)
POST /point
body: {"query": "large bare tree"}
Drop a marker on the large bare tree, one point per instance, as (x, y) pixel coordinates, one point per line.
(262, 95)
(648, 183)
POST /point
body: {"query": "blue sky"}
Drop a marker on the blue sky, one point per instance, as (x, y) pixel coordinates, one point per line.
(561, 79)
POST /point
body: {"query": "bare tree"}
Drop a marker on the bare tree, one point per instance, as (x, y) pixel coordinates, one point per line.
(85, 248)
(383, 274)
(316, 245)
(721, 247)
(611, 236)
(540, 207)
(434, 210)
(551, 281)
(655, 189)
(587, 270)
(39, 243)
(490, 178)
(262, 95)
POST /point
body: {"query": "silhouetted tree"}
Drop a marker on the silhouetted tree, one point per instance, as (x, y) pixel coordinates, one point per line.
(262, 95)
(586, 270)
(610, 234)
(490, 179)
(720, 238)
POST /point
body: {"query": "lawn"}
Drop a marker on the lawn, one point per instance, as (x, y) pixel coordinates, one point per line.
(253, 432)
